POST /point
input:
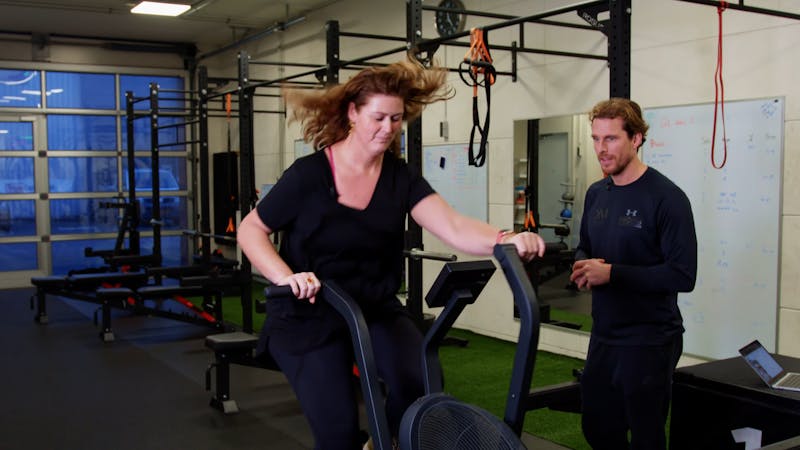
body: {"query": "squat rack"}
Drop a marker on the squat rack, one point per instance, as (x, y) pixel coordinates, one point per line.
(156, 110)
(244, 93)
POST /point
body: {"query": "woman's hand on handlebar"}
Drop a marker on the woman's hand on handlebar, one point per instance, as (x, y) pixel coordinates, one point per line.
(305, 285)
(529, 245)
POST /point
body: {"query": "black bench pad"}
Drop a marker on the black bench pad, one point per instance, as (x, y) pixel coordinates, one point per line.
(95, 280)
(114, 293)
(54, 281)
(235, 340)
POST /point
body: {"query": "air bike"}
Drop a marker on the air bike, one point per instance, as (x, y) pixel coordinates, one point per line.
(438, 421)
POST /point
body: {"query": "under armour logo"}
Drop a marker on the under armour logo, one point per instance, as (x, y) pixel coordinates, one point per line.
(630, 219)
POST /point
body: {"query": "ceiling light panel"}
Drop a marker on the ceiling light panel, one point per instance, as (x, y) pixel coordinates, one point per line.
(160, 8)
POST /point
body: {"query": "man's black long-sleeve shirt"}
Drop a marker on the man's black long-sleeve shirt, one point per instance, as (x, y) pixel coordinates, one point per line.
(645, 230)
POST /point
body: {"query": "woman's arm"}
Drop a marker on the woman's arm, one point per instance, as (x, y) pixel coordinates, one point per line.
(253, 238)
(470, 235)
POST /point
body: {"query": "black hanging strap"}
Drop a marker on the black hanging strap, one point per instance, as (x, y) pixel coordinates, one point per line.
(477, 66)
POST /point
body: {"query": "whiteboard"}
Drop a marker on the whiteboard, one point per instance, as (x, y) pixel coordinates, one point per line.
(464, 187)
(737, 217)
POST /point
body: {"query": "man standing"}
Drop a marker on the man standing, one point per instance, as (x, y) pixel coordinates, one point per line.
(637, 250)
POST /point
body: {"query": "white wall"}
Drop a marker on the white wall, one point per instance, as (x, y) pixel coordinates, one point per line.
(75, 53)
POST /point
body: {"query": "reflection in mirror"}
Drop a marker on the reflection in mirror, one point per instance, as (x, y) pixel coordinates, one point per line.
(553, 166)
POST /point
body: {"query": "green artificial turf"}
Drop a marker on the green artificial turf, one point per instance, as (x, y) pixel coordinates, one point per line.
(480, 373)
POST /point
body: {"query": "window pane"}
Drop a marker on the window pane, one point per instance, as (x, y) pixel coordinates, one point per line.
(17, 218)
(172, 139)
(20, 89)
(172, 174)
(141, 134)
(172, 177)
(82, 215)
(16, 176)
(87, 174)
(68, 255)
(173, 213)
(174, 250)
(140, 85)
(68, 132)
(18, 256)
(16, 136)
(80, 90)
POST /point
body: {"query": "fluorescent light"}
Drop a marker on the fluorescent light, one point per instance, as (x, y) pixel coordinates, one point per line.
(160, 8)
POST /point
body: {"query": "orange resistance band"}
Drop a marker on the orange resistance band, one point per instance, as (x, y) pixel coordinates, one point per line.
(231, 228)
(478, 57)
(719, 96)
(530, 222)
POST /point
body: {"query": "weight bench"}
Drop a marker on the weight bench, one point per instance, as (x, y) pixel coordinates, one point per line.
(127, 290)
(235, 347)
(80, 287)
(106, 296)
(134, 298)
(43, 286)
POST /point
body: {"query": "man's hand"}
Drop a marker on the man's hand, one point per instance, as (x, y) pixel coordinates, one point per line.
(588, 273)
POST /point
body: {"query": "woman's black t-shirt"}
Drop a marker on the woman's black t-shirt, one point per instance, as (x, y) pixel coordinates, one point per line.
(362, 250)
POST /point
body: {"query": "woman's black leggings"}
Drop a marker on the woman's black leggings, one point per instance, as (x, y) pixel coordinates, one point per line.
(322, 379)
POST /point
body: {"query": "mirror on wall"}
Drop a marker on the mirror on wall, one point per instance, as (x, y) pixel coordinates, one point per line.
(553, 165)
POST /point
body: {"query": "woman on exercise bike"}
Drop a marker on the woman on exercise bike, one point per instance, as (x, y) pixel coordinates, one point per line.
(342, 213)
